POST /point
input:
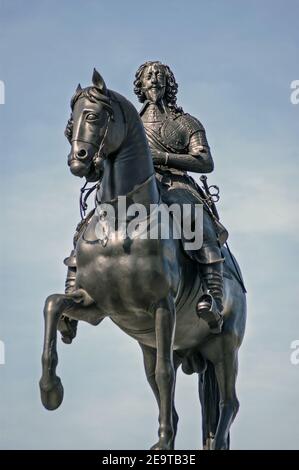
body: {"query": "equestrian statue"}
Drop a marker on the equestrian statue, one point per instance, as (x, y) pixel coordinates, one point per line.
(185, 306)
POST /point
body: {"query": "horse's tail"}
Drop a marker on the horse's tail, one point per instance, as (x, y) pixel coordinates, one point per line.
(209, 398)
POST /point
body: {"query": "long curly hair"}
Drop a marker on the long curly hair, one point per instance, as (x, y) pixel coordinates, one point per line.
(170, 90)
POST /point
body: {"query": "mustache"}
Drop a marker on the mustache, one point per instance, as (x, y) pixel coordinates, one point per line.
(157, 86)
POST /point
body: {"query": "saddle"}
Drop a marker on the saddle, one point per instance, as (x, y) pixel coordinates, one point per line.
(189, 192)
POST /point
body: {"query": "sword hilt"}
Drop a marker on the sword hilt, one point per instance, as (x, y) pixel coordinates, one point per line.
(212, 197)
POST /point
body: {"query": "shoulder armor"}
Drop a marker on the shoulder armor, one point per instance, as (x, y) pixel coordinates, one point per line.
(176, 131)
(192, 124)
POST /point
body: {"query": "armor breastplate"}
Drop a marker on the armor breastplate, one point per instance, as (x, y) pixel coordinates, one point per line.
(170, 129)
(176, 131)
(173, 131)
(153, 117)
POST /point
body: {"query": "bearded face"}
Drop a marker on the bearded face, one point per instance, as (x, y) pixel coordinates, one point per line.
(153, 83)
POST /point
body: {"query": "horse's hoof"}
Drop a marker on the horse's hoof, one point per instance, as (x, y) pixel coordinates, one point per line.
(155, 447)
(51, 395)
(219, 445)
(162, 445)
(66, 339)
(68, 329)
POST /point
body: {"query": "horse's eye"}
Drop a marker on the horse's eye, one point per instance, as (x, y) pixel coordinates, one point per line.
(91, 117)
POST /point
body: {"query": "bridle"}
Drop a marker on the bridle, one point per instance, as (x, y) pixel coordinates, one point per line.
(98, 156)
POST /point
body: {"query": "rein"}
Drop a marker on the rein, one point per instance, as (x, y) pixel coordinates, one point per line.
(83, 199)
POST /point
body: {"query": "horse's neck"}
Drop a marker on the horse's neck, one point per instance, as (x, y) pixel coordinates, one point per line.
(132, 164)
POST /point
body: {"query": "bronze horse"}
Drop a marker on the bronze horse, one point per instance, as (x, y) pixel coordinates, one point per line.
(148, 287)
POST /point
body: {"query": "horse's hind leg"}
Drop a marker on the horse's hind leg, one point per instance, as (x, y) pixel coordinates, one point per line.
(226, 372)
(150, 359)
(164, 372)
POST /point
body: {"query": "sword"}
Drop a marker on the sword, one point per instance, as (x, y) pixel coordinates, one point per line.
(212, 197)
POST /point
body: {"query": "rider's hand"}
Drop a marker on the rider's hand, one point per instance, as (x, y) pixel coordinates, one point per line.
(159, 158)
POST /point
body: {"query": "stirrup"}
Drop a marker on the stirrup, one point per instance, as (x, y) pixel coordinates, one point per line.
(208, 310)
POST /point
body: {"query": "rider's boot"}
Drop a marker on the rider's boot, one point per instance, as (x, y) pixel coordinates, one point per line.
(67, 326)
(210, 305)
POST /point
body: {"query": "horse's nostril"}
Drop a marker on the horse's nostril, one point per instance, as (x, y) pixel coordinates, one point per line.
(82, 154)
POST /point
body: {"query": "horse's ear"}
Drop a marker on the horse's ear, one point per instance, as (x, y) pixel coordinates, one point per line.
(98, 82)
(78, 88)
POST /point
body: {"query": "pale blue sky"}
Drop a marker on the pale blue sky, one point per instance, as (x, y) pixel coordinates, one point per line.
(234, 61)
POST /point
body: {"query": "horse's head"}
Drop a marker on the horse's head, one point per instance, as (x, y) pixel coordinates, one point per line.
(89, 128)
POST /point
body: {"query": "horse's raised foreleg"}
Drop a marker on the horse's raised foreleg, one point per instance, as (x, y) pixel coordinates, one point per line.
(150, 359)
(50, 385)
(164, 372)
(51, 388)
(226, 373)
